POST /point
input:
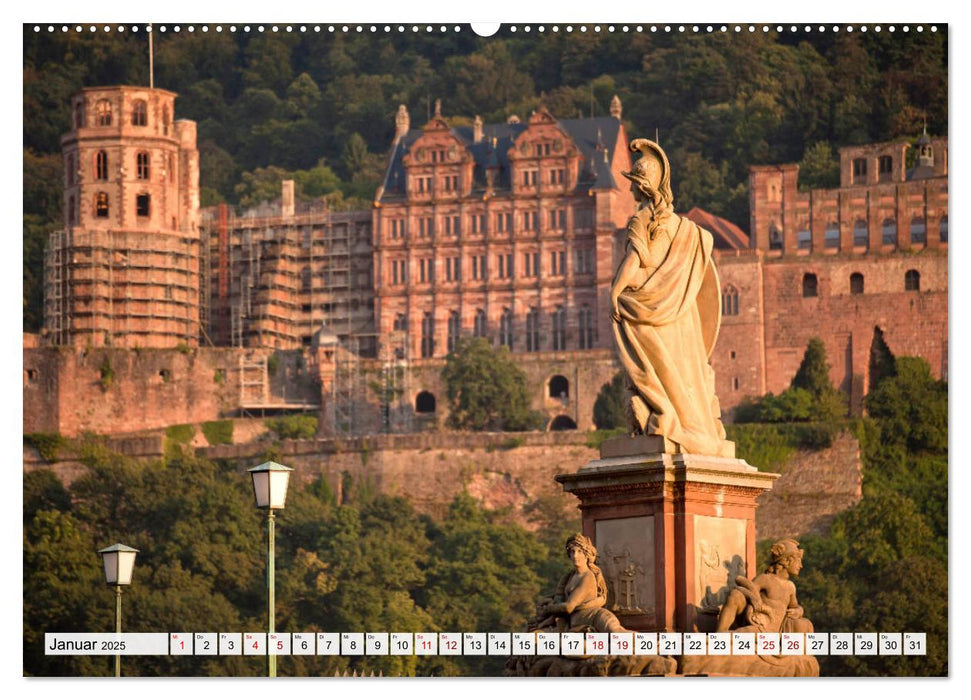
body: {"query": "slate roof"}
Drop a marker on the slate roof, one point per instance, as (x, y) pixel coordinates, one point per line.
(590, 136)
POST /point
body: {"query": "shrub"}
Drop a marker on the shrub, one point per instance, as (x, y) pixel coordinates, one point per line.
(610, 408)
(218, 432)
(107, 373)
(181, 434)
(49, 445)
(296, 427)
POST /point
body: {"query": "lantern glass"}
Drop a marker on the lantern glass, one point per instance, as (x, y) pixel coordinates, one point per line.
(278, 488)
(261, 489)
(270, 482)
(126, 566)
(111, 567)
(119, 563)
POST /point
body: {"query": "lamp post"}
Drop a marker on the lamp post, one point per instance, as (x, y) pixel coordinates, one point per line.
(270, 481)
(119, 562)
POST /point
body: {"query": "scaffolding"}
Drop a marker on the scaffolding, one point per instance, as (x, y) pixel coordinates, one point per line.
(54, 290)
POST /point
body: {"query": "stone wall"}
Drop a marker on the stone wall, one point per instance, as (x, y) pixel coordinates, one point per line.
(511, 471)
(813, 488)
(66, 390)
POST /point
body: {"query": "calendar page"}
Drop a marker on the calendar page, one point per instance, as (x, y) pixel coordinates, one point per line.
(529, 349)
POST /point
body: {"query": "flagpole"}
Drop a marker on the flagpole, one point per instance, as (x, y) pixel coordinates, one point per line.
(151, 60)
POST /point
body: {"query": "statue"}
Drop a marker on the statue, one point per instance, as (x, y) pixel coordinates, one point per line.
(578, 604)
(768, 603)
(665, 302)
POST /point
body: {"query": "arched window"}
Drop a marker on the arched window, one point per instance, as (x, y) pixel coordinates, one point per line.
(139, 113)
(69, 169)
(101, 205)
(889, 228)
(861, 234)
(102, 111)
(775, 237)
(912, 281)
(859, 170)
(70, 209)
(832, 235)
(559, 328)
(505, 329)
(559, 387)
(918, 230)
(585, 325)
(856, 283)
(810, 286)
(532, 330)
(427, 335)
(943, 229)
(563, 423)
(729, 300)
(101, 165)
(400, 322)
(479, 325)
(425, 402)
(78, 115)
(142, 165)
(454, 327)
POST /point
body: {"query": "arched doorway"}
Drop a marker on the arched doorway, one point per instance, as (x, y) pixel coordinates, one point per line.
(562, 423)
(425, 402)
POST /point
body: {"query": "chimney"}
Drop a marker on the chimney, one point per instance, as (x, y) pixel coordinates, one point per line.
(477, 129)
(286, 199)
(402, 122)
(616, 108)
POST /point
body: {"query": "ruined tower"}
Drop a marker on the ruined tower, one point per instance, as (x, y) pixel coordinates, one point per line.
(124, 270)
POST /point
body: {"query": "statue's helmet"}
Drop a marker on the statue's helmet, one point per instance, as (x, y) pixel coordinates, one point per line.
(783, 549)
(651, 171)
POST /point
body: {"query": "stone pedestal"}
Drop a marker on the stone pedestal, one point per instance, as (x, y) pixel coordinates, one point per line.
(672, 530)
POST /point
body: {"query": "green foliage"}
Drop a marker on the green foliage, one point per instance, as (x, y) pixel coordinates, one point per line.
(107, 373)
(819, 167)
(486, 390)
(911, 406)
(183, 348)
(44, 491)
(810, 397)
(813, 372)
(219, 376)
(299, 426)
(182, 433)
(610, 407)
(218, 432)
(49, 445)
(272, 364)
(883, 563)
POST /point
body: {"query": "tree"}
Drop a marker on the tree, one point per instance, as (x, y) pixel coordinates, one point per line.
(819, 167)
(610, 408)
(911, 406)
(486, 390)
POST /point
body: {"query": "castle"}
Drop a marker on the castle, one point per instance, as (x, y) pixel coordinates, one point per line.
(510, 232)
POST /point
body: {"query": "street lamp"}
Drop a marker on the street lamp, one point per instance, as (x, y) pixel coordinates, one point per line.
(270, 481)
(119, 562)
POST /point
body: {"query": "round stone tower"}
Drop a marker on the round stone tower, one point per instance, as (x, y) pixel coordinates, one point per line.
(125, 269)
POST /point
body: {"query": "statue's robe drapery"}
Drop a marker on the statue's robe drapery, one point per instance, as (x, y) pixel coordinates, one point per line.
(667, 330)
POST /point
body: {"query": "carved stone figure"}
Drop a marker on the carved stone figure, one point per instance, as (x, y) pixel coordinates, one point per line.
(768, 602)
(578, 604)
(665, 302)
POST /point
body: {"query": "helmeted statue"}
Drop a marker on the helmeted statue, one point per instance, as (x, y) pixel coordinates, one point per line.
(666, 306)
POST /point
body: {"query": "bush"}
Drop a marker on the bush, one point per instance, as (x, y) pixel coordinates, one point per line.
(610, 408)
(218, 432)
(48, 444)
(107, 373)
(181, 434)
(296, 427)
